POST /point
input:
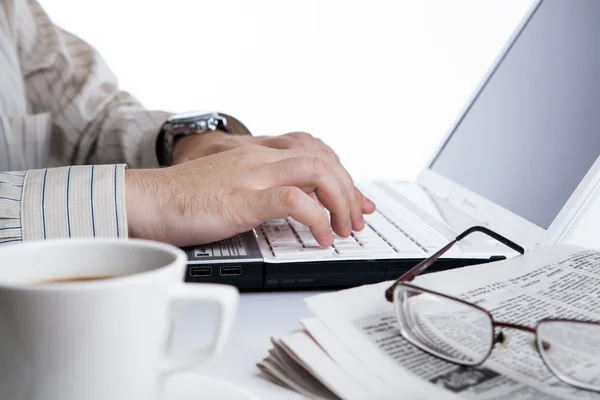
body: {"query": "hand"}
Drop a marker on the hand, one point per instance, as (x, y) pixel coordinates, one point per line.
(196, 146)
(191, 147)
(220, 195)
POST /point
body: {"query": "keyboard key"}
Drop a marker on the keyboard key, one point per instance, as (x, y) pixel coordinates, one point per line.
(365, 235)
(283, 238)
(381, 245)
(288, 245)
(379, 222)
(347, 251)
(318, 251)
(375, 239)
(303, 252)
(275, 222)
(299, 227)
(402, 229)
(292, 221)
(347, 245)
(305, 235)
(345, 241)
(400, 240)
(273, 229)
(287, 252)
(337, 237)
(290, 239)
(310, 243)
(404, 247)
(413, 250)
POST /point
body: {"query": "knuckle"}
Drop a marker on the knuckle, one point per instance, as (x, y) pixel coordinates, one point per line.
(342, 202)
(317, 165)
(281, 142)
(251, 152)
(297, 143)
(291, 143)
(252, 148)
(302, 135)
(287, 196)
(329, 153)
(313, 165)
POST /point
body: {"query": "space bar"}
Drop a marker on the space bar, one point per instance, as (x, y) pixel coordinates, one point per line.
(316, 252)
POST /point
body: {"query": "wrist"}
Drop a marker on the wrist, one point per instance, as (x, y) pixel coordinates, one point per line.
(186, 124)
(141, 200)
(198, 143)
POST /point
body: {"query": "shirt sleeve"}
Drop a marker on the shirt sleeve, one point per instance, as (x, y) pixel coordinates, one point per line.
(11, 188)
(94, 121)
(65, 202)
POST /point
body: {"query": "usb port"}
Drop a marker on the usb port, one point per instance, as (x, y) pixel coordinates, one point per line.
(231, 271)
(200, 271)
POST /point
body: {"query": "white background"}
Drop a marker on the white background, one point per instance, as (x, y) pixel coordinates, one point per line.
(381, 81)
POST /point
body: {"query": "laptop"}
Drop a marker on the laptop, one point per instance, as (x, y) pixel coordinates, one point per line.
(521, 159)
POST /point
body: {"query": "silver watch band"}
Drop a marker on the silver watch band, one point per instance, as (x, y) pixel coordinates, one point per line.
(180, 125)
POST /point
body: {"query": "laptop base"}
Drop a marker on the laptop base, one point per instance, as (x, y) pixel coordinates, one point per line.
(313, 274)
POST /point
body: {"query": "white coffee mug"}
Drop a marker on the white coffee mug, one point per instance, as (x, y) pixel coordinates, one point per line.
(97, 340)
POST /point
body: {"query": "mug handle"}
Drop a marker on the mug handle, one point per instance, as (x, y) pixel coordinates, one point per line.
(224, 297)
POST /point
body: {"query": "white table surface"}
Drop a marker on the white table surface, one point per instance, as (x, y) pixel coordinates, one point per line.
(260, 316)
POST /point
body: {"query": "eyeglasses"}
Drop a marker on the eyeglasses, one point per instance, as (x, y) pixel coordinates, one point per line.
(465, 334)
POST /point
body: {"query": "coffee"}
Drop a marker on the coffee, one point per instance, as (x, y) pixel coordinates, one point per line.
(74, 279)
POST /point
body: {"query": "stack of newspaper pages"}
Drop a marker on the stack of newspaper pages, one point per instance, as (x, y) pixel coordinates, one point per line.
(352, 348)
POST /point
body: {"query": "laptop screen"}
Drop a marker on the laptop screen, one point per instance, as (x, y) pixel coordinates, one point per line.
(533, 131)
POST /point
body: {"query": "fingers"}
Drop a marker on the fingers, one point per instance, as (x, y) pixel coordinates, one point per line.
(310, 164)
(313, 196)
(280, 142)
(316, 175)
(354, 199)
(366, 205)
(284, 201)
(298, 140)
(294, 140)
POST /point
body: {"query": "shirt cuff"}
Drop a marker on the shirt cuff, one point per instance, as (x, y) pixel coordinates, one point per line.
(77, 201)
(11, 188)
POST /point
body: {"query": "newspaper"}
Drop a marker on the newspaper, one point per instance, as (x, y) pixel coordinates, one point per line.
(352, 349)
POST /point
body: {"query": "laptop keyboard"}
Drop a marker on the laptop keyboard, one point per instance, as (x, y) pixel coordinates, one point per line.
(288, 238)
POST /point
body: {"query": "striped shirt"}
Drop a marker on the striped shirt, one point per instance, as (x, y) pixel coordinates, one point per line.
(66, 133)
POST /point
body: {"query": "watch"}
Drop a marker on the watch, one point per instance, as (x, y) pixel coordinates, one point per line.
(185, 124)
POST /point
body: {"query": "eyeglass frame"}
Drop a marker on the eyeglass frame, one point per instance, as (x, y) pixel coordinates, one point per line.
(499, 337)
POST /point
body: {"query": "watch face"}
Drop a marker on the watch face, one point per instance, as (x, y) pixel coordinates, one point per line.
(191, 116)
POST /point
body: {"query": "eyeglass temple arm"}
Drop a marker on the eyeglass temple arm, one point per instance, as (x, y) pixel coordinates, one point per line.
(498, 237)
(423, 265)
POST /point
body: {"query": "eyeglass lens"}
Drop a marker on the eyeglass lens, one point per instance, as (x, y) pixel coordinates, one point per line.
(571, 350)
(452, 330)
